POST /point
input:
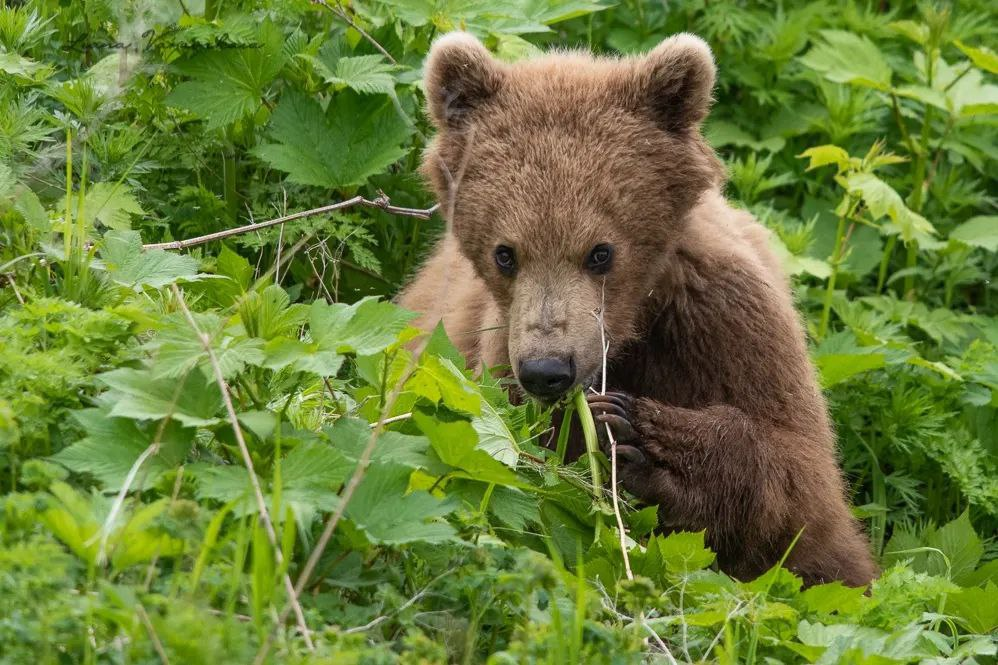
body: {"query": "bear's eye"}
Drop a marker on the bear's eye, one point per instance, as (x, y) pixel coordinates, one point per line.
(599, 259)
(505, 259)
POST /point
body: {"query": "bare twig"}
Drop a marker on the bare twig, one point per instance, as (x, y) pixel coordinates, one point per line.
(381, 202)
(153, 637)
(365, 457)
(13, 285)
(126, 485)
(394, 419)
(339, 11)
(402, 608)
(248, 462)
(605, 345)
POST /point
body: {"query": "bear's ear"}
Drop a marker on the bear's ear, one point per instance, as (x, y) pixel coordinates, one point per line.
(677, 79)
(459, 76)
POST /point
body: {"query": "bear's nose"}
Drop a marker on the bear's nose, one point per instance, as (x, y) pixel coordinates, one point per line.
(547, 377)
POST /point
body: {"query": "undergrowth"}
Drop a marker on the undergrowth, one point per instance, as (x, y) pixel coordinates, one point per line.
(423, 517)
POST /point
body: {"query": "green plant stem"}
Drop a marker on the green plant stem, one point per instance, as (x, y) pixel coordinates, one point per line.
(840, 234)
(592, 447)
(885, 260)
(80, 234)
(917, 200)
(67, 233)
(564, 432)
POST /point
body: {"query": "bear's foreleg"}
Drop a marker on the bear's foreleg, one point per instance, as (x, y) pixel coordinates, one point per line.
(710, 468)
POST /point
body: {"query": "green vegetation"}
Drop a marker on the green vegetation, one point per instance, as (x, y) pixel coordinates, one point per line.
(182, 432)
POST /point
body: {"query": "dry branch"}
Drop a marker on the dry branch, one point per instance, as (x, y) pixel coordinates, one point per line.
(605, 346)
(381, 202)
(261, 503)
(339, 11)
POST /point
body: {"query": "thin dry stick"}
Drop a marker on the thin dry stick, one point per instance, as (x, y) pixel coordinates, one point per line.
(13, 286)
(365, 457)
(402, 608)
(133, 472)
(613, 442)
(153, 637)
(381, 203)
(230, 409)
(339, 11)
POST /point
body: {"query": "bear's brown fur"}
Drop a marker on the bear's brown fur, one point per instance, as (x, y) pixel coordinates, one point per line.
(720, 418)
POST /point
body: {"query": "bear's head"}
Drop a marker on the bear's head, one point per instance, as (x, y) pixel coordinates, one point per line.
(567, 180)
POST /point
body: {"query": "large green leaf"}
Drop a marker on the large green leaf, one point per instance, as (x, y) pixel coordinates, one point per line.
(127, 263)
(845, 57)
(456, 443)
(350, 436)
(178, 348)
(111, 204)
(228, 84)
(978, 232)
(883, 201)
(382, 509)
(112, 445)
(368, 74)
(134, 393)
(976, 607)
(953, 549)
(365, 327)
(440, 381)
(355, 138)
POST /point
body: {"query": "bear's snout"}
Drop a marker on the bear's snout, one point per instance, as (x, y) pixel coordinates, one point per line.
(547, 378)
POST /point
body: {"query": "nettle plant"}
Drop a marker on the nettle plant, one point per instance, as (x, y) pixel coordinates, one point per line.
(231, 451)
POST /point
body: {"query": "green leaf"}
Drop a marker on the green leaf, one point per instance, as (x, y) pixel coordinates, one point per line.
(178, 348)
(228, 84)
(127, 263)
(916, 32)
(836, 368)
(282, 352)
(881, 199)
(838, 358)
(269, 314)
(833, 597)
(720, 133)
(682, 552)
(112, 445)
(956, 541)
(455, 442)
(355, 138)
(979, 231)
(367, 74)
(845, 57)
(388, 515)
(351, 435)
(364, 328)
(823, 155)
(495, 436)
(976, 607)
(982, 57)
(438, 380)
(112, 205)
(135, 393)
(311, 476)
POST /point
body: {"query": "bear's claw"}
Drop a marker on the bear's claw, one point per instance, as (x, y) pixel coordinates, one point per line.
(612, 409)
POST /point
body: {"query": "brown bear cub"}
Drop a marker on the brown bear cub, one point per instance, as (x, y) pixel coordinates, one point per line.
(575, 186)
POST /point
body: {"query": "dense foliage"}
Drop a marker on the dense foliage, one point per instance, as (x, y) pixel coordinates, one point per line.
(181, 431)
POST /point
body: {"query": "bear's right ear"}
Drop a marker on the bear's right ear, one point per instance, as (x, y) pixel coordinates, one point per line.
(459, 76)
(676, 81)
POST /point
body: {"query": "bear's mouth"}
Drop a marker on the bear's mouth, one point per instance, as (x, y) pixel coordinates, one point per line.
(591, 382)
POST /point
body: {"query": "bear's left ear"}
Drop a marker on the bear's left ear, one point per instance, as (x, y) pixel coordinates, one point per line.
(460, 75)
(676, 80)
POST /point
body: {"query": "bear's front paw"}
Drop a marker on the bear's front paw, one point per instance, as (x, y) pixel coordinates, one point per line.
(612, 410)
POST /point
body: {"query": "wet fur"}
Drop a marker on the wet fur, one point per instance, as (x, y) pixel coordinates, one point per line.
(565, 151)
